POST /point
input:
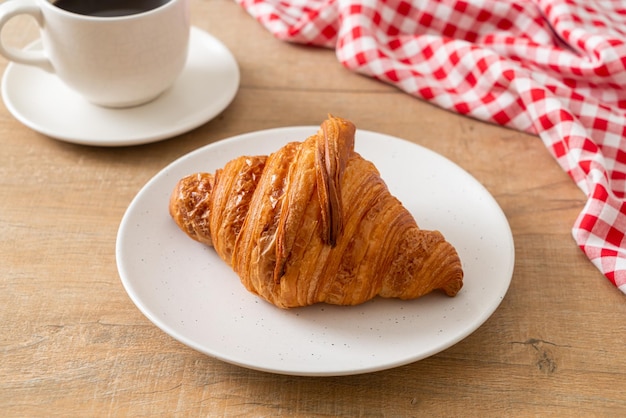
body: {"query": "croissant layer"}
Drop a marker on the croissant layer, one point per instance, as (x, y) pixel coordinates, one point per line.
(314, 222)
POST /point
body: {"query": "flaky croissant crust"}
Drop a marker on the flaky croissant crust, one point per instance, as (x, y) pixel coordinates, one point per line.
(314, 222)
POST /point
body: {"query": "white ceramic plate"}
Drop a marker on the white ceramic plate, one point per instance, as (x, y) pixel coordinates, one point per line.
(45, 104)
(188, 292)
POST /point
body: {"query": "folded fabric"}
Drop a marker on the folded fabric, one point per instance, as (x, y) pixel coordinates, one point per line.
(554, 68)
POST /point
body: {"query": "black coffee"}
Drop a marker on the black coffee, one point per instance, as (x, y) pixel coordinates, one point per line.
(108, 8)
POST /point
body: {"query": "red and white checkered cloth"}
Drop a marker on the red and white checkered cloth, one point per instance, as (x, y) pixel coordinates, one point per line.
(555, 68)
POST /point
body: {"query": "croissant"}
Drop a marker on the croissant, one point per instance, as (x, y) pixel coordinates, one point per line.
(314, 222)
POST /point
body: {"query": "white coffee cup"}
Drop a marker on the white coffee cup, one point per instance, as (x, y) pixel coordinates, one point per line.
(116, 61)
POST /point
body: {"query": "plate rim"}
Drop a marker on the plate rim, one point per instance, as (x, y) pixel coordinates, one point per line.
(486, 313)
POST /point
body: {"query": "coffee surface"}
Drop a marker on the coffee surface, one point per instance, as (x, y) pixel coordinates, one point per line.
(108, 8)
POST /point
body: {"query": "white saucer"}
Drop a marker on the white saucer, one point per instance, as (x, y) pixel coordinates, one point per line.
(206, 86)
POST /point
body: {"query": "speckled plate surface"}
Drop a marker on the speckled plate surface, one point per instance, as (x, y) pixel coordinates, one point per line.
(188, 292)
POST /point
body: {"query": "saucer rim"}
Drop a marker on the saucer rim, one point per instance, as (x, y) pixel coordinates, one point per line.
(137, 136)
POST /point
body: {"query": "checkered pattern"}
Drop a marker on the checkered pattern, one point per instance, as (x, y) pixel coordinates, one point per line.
(555, 68)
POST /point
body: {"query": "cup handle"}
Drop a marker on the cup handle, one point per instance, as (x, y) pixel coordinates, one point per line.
(9, 10)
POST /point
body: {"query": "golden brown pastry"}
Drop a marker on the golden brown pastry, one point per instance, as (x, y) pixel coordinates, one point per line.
(314, 222)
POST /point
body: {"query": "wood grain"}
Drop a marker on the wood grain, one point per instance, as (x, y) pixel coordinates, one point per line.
(73, 343)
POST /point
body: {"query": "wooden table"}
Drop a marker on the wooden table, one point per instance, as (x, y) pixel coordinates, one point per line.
(73, 343)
